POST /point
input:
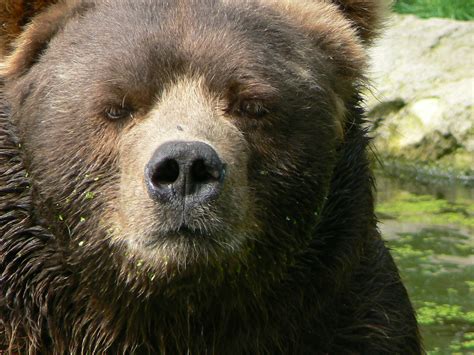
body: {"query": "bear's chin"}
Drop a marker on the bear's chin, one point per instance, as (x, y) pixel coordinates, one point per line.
(185, 249)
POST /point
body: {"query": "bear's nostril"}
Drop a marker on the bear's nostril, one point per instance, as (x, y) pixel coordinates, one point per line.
(203, 173)
(166, 173)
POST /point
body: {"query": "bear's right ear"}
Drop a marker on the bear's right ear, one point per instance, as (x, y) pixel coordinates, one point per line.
(14, 15)
(41, 19)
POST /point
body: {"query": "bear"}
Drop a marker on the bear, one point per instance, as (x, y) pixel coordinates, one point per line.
(191, 177)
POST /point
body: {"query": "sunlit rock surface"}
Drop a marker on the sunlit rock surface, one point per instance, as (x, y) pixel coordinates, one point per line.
(421, 104)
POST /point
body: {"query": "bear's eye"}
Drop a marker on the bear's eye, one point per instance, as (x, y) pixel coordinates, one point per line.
(114, 113)
(252, 108)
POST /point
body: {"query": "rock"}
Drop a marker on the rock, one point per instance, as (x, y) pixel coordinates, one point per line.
(421, 103)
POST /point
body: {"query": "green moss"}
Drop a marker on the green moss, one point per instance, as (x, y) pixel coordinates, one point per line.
(407, 251)
(463, 344)
(470, 284)
(432, 313)
(427, 209)
(468, 345)
(432, 243)
(409, 203)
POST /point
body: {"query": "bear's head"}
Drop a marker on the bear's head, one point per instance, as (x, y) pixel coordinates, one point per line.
(169, 139)
(187, 149)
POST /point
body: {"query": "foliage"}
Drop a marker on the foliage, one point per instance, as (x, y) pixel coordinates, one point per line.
(455, 9)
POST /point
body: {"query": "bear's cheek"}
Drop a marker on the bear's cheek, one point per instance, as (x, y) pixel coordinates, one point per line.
(71, 157)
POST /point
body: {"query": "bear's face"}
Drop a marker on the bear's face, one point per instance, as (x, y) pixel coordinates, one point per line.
(181, 135)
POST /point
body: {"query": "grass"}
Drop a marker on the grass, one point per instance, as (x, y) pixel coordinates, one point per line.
(454, 9)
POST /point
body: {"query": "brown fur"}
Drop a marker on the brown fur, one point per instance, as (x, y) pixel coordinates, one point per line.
(14, 15)
(286, 260)
(366, 15)
(31, 42)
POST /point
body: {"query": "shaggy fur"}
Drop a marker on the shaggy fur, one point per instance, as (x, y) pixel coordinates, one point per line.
(287, 261)
(366, 311)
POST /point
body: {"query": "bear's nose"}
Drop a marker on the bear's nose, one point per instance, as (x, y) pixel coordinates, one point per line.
(184, 172)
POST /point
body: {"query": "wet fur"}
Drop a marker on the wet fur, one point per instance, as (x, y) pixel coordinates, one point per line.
(252, 315)
(313, 283)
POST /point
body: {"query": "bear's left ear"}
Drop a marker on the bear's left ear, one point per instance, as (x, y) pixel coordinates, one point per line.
(14, 16)
(364, 17)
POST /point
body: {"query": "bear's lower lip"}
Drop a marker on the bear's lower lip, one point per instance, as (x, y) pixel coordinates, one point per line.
(184, 231)
(187, 231)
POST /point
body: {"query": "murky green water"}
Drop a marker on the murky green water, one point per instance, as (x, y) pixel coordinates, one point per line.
(430, 230)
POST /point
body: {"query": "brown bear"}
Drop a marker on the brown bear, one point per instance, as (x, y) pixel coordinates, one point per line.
(191, 177)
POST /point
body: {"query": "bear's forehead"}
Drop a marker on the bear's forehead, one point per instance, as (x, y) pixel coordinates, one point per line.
(145, 41)
(196, 21)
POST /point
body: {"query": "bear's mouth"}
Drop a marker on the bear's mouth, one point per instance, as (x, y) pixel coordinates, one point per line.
(184, 232)
(187, 231)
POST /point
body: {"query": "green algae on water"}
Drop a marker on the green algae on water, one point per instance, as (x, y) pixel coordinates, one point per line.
(409, 207)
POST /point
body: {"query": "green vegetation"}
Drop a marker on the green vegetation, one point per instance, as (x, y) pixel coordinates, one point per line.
(455, 9)
(432, 313)
(427, 209)
(432, 242)
(436, 267)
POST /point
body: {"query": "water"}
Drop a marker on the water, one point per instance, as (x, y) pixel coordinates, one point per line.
(430, 229)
